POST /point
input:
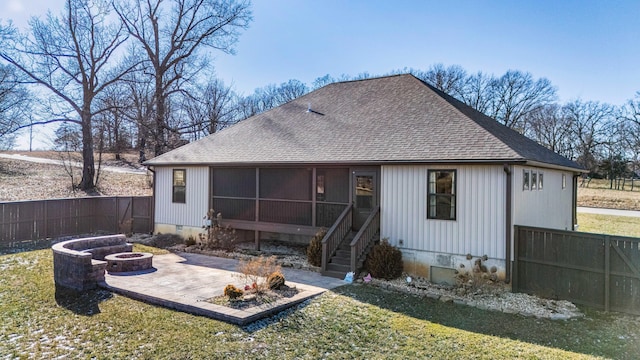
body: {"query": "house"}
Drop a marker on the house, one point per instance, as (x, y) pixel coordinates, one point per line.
(388, 157)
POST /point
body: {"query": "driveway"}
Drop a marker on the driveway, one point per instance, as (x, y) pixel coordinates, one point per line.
(117, 169)
(613, 212)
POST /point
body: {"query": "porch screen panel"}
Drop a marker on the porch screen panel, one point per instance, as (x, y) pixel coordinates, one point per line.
(234, 182)
(286, 212)
(336, 185)
(234, 192)
(286, 184)
(236, 209)
(328, 213)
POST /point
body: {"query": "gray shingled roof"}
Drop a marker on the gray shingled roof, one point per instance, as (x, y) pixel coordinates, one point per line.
(397, 119)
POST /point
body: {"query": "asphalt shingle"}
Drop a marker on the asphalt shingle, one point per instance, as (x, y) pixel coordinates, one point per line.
(397, 119)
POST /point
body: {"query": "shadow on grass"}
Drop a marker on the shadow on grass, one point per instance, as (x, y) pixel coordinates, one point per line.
(81, 303)
(597, 333)
(25, 247)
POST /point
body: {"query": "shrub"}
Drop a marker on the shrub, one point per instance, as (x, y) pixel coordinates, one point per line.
(232, 292)
(476, 275)
(166, 240)
(215, 236)
(257, 270)
(275, 280)
(314, 250)
(385, 261)
(190, 241)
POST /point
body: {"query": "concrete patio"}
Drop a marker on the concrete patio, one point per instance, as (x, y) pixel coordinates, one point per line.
(185, 282)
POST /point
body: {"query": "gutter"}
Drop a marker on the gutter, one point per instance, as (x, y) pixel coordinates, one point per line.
(508, 225)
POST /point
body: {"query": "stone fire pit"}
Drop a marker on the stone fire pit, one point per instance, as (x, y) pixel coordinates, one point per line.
(128, 261)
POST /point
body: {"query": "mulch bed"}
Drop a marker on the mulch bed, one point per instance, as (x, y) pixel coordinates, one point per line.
(251, 299)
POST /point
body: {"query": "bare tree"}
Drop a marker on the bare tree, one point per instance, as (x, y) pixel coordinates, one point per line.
(630, 124)
(478, 92)
(516, 95)
(72, 57)
(212, 108)
(272, 95)
(113, 121)
(14, 97)
(171, 34)
(449, 79)
(549, 126)
(14, 101)
(590, 123)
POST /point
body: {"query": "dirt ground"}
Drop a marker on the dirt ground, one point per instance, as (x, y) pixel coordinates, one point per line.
(23, 180)
(598, 194)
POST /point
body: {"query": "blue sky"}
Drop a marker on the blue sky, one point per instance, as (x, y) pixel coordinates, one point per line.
(587, 49)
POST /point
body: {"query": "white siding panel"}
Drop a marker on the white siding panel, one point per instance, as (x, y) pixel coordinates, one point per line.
(551, 207)
(479, 227)
(197, 197)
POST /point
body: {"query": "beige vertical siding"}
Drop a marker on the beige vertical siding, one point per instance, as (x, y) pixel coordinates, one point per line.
(550, 207)
(197, 197)
(479, 228)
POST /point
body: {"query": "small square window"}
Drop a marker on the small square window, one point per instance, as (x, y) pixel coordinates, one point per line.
(526, 179)
(180, 186)
(540, 178)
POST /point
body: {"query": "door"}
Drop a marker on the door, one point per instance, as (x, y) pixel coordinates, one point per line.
(364, 193)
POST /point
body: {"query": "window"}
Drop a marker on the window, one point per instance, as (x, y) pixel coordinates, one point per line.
(364, 192)
(320, 187)
(442, 194)
(564, 181)
(534, 180)
(179, 186)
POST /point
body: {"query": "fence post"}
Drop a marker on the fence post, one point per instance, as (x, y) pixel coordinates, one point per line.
(516, 249)
(607, 271)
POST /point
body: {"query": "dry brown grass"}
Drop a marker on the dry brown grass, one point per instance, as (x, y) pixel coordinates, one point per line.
(599, 195)
(23, 180)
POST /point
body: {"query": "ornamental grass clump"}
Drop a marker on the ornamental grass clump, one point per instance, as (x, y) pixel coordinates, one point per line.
(275, 281)
(384, 261)
(233, 292)
(314, 250)
(256, 271)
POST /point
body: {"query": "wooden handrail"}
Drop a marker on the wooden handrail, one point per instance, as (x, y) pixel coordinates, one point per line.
(336, 233)
(364, 237)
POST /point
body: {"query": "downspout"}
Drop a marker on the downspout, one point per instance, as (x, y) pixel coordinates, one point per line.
(153, 200)
(508, 225)
(574, 207)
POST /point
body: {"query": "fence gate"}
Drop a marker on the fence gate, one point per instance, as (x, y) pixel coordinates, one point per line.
(601, 271)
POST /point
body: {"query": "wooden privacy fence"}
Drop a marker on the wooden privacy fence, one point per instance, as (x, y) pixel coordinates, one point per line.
(23, 222)
(602, 271)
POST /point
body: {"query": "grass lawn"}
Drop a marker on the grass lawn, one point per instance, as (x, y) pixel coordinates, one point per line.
(612, 225)
(354, 321)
